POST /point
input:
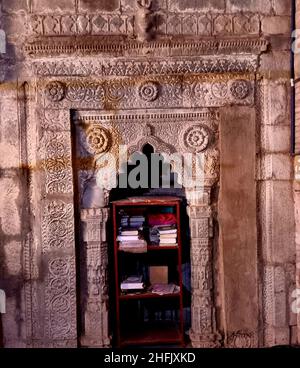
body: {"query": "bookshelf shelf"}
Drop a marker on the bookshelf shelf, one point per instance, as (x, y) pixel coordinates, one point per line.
(158, 317)
(148, 296)
(152, 334)
(153, 248)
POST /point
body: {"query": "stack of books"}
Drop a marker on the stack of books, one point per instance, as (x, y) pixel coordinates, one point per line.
(130, 236)
(134, 222)
(167, 235)
(163, 289)
(133, 283)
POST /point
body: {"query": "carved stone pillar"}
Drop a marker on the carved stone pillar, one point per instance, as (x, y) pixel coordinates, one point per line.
(96, 331)
(203, 328)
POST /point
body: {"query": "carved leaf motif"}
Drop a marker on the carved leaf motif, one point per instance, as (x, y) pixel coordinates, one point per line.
(94, 93)
(76, 91)
(57, 227)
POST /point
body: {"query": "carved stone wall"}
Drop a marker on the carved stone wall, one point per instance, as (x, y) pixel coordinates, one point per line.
(83, 61)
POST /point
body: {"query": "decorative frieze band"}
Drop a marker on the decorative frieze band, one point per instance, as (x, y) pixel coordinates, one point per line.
(171, 91)
(145, 117)
(118, 46)
(192, 65)
(196, 24)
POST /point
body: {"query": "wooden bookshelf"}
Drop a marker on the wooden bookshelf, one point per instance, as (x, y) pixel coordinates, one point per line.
(136, 322)
(148, 296)
(152, 334)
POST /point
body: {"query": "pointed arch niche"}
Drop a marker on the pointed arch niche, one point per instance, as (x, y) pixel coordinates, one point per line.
(182, 132)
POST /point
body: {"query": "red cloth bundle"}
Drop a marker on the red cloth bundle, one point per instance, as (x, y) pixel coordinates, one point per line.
(166, 219)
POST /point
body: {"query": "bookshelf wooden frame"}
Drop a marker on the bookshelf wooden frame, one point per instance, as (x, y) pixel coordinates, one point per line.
(154, 335)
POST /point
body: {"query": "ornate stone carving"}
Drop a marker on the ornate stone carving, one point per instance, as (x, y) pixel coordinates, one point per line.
(219, 89)
(98, 140)
(96, 304)
(148, 91)
(138, 67)
(67, 68)
(149, 138)
(115, 91)
(199, 90)
(211, 166)
(241, 340)
(203, 331)
(94, 93)
(55, 91)
(143, 20)
(203, 327)
(173, 91)
(76, 91)
(155, 117)
(54, 120)
(197, 138)
(171, 23)
(240, 89)
(56, 163)
(57, 226)
(60, 322)
(106, 44)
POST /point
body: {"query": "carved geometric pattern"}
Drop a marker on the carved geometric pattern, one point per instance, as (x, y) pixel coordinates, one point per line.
(107, 44)
(200, 228)
(57, 226)
(172, 92)
(201, 92)
(240, 89)
(197, 138)
(60, 298)
(148, 91)
(98, 24)
(239, 64)
(55, 91)
(56, 162)
(98, 140)
(219, 89)
(155, 117)
(202, 331)
(96, 312)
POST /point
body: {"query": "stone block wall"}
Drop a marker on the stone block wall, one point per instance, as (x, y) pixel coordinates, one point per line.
(27, 19)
